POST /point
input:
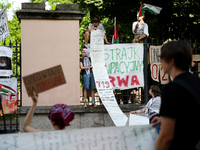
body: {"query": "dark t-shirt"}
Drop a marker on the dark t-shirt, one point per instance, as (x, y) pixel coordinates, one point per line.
(180, 104)
(83, 70)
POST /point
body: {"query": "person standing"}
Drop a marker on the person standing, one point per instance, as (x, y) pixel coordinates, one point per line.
(94, 26)
(88, 78)
(180, 106)
(140, 29)
(153, 106)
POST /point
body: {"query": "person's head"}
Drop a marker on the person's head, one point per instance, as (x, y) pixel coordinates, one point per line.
(141, 17)
(176, 55)
(84, 52)
(60, 116)
(154, 91)
(95, 21)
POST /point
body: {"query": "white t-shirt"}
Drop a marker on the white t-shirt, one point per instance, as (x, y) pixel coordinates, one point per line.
(146, 30)
(100, 26)
(153, 105)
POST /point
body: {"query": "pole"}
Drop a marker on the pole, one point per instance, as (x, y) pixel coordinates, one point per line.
(115, 27)
(145, 72)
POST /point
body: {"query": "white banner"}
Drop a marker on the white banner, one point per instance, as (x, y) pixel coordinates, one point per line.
(125, 65)
(4, 30)
(137, 120)
(6, 61)
(155, 71)
(103, 85)
(108, 138)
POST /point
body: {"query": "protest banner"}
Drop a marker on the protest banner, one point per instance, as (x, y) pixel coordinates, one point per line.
(6, 61)
(107, 138)
(154, 54)
(164, 77)
(44, 80)
(155, 71)
(8, 91)
(102, 81)
(137, 120)
(196, 57)
(4, 30)
(125, 65)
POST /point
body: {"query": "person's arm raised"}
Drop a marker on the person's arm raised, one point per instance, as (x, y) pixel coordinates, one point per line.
(29, 116)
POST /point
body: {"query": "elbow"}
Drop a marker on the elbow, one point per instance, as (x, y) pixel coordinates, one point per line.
(25, 128)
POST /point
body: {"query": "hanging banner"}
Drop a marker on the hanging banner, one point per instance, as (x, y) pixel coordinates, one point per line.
(6, 61)
(125, 65)
(8, 91)
(103, 85)
(155, 71)
(154, 54)
(4, 30)
(164, 77)
(107, 138)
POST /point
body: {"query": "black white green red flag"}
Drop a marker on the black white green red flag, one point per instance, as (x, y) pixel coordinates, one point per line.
(150, 8)
(115, 38)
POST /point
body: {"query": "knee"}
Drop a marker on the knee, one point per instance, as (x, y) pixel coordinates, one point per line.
(87, 33)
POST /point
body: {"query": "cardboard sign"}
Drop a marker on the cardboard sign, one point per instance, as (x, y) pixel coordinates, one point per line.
(125, 65)
(196, 57)
(4, 30)
(154, 53)
(44, 80)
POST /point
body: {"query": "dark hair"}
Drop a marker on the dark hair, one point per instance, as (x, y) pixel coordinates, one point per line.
(56, 122)
(156, 90)
(180, 51)
(96, 19)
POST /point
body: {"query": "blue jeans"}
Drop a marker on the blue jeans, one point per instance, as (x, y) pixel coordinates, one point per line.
(158, 126)
(88, 81)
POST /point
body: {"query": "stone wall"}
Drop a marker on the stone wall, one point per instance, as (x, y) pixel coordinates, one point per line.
(84, 117)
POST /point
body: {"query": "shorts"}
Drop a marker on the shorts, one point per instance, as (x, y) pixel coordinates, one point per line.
(88, 81)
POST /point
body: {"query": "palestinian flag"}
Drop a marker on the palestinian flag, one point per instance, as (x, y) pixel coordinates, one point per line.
(150, 8)
(4, 90)
(115, 38)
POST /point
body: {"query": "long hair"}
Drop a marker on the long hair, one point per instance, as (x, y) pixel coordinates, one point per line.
(156, 90)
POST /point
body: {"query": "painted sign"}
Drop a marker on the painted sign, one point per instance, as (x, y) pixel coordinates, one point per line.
(4, 30)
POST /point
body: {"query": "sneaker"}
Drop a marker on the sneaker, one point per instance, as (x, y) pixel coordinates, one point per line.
(85, 104)
(93, 104)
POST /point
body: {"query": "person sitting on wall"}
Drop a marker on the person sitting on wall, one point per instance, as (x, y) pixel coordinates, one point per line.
(140, 29)
(60, 116)
(152, 105)
(94, 26)
(88, 78)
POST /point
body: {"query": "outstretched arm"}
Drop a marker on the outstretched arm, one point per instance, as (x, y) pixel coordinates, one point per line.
(28, 118)
(105, 38)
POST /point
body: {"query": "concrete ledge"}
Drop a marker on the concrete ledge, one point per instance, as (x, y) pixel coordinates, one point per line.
(35, 6)
(80, 109)
(89, 117)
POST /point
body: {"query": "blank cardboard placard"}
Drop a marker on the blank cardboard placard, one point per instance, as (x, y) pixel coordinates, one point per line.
(44, 80)
(196, 57)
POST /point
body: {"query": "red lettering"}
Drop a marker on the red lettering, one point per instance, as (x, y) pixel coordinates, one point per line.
(156, 71)
(108, 84)
(163, 77)
(122, 81)
(112, 80)
(134, 80)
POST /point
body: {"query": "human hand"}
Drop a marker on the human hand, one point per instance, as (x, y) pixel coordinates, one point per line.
(137, 40)
(156, 121)
(132, 112)
(137, 25)
(34, 98)
(95, 28)
(108, 43)
(90, 67)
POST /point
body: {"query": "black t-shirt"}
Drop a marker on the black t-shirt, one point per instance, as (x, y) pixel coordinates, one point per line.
(180, 104)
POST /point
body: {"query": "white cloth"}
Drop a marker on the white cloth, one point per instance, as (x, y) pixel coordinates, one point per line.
(146, 30)
(86, 61)
(100, 26)
(152, 105)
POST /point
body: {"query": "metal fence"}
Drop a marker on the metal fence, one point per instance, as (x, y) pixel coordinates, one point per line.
(9, 123)
(140, 95)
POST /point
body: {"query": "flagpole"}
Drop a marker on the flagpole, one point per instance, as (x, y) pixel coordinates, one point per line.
(115, 27)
